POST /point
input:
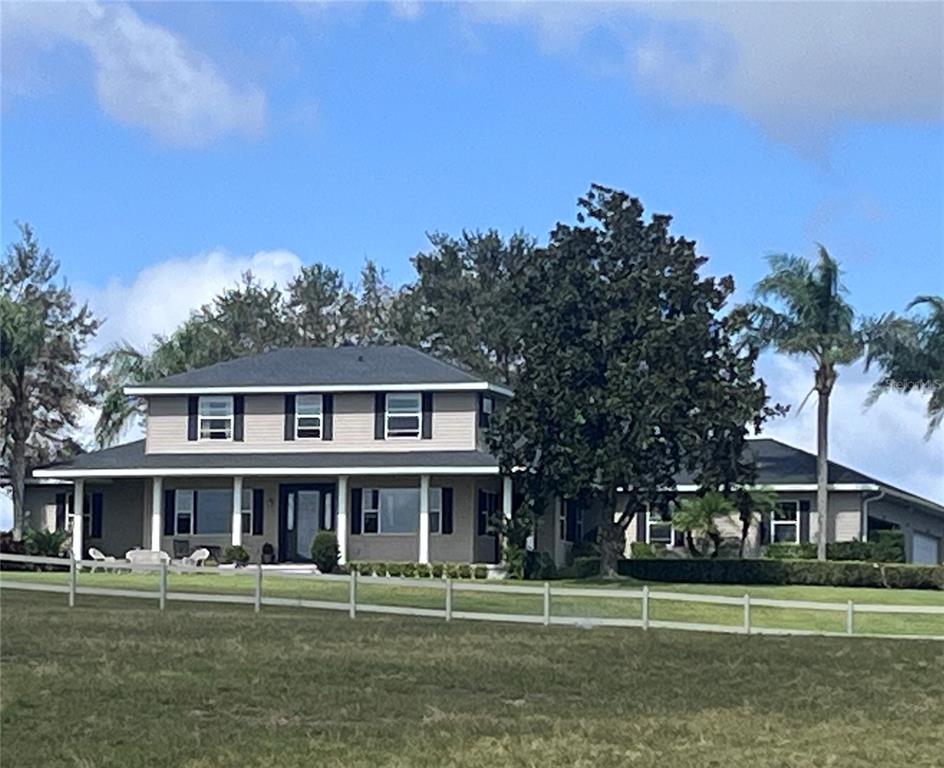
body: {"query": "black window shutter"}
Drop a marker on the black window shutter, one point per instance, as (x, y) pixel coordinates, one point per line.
(427, 432)
(60, 511)
(805, 522)
(96, 532)
(483, 419)
(194, 528)
(678, 537)
(192, 404)
(765, 528)
(482, 517)
(169, 512)
(258, 511)
(446, 525)
(327, 417)
(380, 406)
(641, 526)
(290, 417)
(571, 519)
(356, 510)
(238, 406)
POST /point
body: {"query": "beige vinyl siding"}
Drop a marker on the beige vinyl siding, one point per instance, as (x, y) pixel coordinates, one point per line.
(454, 427)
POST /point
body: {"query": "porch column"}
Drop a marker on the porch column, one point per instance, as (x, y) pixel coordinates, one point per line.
(424, 519)
(157, 501)
(506, 507)
(237, 525)
(78, 509)
(342, 525)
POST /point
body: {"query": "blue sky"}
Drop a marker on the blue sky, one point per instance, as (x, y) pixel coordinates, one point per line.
(160, 149)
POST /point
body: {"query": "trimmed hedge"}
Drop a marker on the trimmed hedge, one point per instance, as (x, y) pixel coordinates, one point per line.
(830, 573)
(420, 570)
(882, 547)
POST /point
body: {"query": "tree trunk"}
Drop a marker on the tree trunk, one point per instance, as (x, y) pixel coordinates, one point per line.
(18, 481)
(612, 538)
(824, 384)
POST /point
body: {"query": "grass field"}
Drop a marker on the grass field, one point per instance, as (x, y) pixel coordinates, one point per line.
(431, 596)
(117, 683)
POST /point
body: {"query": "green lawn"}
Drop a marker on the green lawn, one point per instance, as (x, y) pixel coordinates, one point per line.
(117, 683)
(427, 594)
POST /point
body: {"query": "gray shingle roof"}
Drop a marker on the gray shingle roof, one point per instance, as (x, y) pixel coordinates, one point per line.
(324, 366)
(779, 463)
(132, 456)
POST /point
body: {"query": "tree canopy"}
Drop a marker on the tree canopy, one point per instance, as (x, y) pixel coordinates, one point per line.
(630, 370)
(43, 334)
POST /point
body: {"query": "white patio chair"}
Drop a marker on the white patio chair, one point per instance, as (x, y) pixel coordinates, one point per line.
(100, 557)
(197, 557)
(146, 558)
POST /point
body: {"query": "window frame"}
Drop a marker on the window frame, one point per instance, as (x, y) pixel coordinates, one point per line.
(491, 508)
(375, 510)
(656, 519)
(245, 513)
(230, 419)
(180, 493)
(487, 409)
(299, 416)
(403, 434)
(774, 523)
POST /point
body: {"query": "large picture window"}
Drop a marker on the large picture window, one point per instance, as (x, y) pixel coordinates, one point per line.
(308, 416)
(785, 523)
(215, 415)
(659, 531)
(209, 511)
(404, 414)
(390, 510)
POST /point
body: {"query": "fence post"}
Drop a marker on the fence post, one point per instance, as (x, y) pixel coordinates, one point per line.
(547, 603)
(747, 614)
(257, 606)
(645, 607)
(850, 618)
(448, 599)
(163, 584)
(72, 580)
(352, 606)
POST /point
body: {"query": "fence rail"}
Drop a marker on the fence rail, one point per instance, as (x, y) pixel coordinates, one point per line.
(645, 595)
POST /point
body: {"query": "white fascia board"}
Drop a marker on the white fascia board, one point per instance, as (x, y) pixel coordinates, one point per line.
(263, 471)
(796, 487)
(475, 386)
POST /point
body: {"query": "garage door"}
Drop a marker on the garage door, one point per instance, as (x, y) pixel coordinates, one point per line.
(925, 549)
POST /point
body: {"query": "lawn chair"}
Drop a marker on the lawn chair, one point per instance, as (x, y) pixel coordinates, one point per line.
(100, 557)
(146, 559)
(197, 557)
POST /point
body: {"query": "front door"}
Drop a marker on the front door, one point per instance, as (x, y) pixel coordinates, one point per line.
(304, 509)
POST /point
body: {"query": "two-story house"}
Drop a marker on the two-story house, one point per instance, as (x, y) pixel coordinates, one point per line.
(381, 444)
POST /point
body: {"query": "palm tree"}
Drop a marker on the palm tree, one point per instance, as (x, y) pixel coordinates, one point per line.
(800, 309)
(910, 353)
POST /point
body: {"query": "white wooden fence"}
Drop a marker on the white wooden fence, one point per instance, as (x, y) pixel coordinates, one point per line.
(449, 587)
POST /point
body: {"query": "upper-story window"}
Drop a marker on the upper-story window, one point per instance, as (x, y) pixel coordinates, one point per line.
(486, 409)
(404, 414)
(215, 414)
(308, 416)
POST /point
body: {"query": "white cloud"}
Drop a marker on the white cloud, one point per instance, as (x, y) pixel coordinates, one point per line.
(162, 296)
(885, 441)
(798, 69)
(145, 75)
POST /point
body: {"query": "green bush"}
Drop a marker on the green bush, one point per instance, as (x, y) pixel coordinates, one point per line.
(780, 551)
(641, 550)
(438, 570)
(394, 569)
(540, 566)
(586, 567)
(423, 570)
(452, 570)
(768, 571)
(324, 551)
(884, 547)
(41, 543)
(480, 572)
(236, 555)
(465, 571)
(408, 569)
(584, 549)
